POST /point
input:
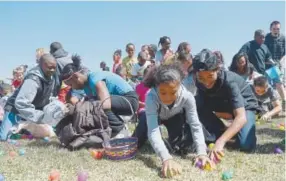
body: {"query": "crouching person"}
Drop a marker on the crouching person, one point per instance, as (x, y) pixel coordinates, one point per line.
(28, 101)
(169, 103)
(268, 98)
(224, 94)
(117, 96)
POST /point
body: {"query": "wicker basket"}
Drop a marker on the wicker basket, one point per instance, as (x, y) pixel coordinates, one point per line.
(121, 148)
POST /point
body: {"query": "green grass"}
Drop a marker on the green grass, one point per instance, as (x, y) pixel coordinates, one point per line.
(41, 158)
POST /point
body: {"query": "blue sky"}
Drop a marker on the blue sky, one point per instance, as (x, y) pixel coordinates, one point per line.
(95, 29)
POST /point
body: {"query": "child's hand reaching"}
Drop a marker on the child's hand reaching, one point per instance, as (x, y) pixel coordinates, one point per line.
(171, 168)
(204, 159)
(266, 117)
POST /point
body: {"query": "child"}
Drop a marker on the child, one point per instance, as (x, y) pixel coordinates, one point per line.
(186, 61)
(141, 91)
(221, 92)
(117, 96)
(18, 76)
(170, 104)
(165, 51)
(138, 68)
(129, 61)
(267, 98)
(117, 65)
(241, 65)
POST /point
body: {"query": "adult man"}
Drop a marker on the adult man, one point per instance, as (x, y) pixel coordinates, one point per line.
(29, 100)
(276, 45)
(257, 52)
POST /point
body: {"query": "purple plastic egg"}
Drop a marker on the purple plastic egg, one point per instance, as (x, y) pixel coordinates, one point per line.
(278, 151)
(30, 137)
(199, 164)
(82, 176)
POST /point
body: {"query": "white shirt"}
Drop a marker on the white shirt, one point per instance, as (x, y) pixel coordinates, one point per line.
(138, 70)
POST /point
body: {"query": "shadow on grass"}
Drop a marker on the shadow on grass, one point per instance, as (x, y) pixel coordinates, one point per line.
(41, 143)
(271, 132)
(144, 155)
(268, 148)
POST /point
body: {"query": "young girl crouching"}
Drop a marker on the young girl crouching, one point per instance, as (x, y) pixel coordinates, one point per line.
(170, 104)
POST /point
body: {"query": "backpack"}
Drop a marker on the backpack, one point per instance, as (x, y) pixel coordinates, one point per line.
(85, 126)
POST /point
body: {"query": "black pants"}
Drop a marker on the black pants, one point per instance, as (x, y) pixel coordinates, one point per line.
(119, 106)
(180, 137)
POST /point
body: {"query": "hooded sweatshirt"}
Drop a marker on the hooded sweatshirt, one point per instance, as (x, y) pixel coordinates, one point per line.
(63, 58)
(29, 100)
(185, 100)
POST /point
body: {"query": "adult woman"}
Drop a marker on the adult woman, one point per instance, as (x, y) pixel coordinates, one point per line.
(113, 91)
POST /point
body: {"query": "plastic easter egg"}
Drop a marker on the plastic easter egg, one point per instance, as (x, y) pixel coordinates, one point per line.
(273, 125)
(282, 128)
(278, 150)
(169, 174)
(226, 175)
(22, 152)
(24, 137)
(2, 178)
(12, 153)
(13, 142)
(211, 146)
(258, 123)
(18, 136)
(199, 164)
(54, 175)
(96, 154)
(207, 167)
(46, 139)
(82, 176)
(30, 137)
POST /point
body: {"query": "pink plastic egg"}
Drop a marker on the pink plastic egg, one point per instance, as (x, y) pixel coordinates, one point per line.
(82, 176)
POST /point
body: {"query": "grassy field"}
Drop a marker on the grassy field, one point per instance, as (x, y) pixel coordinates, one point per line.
(40, 158)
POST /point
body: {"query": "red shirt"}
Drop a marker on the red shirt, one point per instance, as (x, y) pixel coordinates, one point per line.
(16, 83)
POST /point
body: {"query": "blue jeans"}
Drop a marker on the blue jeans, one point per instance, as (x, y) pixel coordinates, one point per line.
(245, 138)
(9, 120)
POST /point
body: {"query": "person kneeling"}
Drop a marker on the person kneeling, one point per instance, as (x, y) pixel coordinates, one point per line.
(224, 93)
(30, 99)
(170, 104)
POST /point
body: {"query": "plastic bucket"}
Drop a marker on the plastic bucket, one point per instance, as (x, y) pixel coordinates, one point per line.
(273, 72)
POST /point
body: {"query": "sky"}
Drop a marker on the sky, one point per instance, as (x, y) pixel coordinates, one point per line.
(95, 30)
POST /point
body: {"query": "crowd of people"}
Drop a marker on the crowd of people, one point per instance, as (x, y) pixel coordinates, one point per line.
(189, 94)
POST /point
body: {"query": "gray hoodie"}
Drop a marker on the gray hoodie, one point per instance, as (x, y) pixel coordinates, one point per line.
(29, 100)
(63, 58)
(185, 100)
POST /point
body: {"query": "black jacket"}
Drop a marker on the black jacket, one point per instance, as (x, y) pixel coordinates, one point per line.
(85, 126)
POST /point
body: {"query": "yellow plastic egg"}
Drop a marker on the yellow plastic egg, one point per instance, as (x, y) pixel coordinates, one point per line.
(211, 146)
(207, 167)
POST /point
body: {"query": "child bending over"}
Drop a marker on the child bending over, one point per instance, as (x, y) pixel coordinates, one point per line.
(170, 104)
(267, 98)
